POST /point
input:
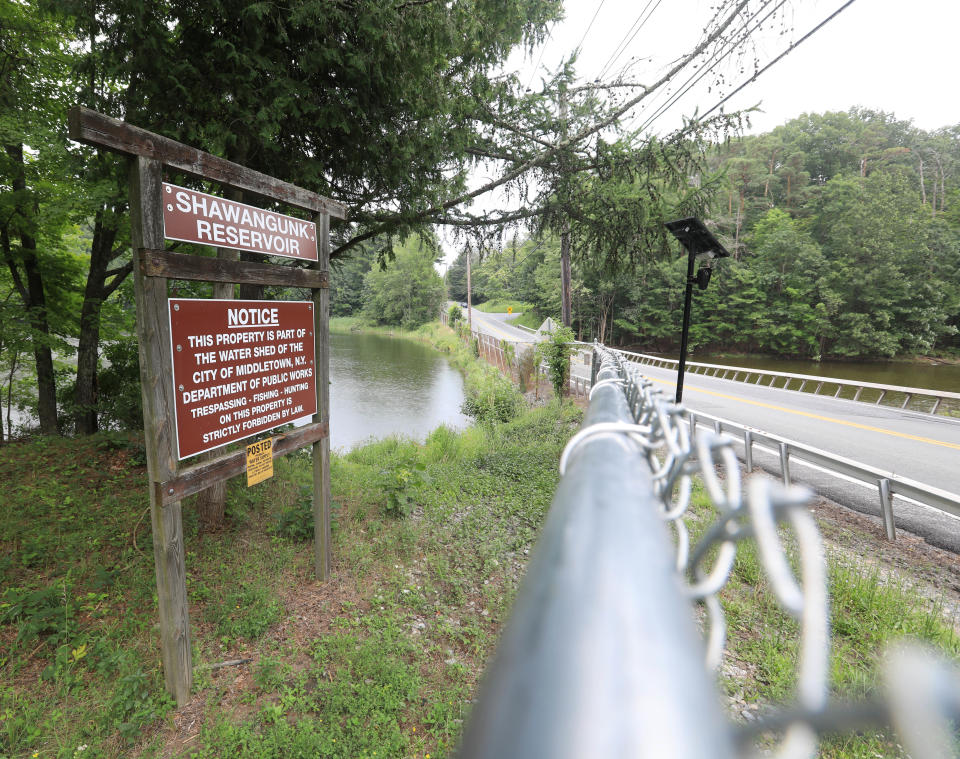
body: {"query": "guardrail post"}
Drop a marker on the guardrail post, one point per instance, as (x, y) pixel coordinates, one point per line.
(886, 508)
(785, 463)
(692, 421)
(748, 450)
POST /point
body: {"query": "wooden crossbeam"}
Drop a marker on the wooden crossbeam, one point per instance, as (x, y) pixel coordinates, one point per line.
(165, 263)
(193, 479)
(94, 128)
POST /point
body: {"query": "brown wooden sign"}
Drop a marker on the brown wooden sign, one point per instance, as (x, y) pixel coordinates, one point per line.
(191, 216)
(240, 367)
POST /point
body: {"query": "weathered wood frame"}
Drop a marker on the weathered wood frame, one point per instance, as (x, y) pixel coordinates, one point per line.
(153, 268)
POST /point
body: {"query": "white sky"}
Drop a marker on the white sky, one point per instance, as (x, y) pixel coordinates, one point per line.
(893, 55)
(888, 55)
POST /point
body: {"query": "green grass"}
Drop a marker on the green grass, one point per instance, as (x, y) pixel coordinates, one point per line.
(382, 661)
(530, 319)
(502, 306)
(867, 614)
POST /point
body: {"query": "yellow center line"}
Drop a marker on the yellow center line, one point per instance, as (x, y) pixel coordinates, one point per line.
(489, 324)
(831, 419)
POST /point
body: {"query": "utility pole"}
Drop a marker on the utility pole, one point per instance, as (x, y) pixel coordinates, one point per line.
(566, 312)
(469, 296)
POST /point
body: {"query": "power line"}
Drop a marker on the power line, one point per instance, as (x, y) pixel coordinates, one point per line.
(782, 55)
(618, 50)
(590, 25)
(727, 47)
(634, 35)
(709, 65)
(537, 66)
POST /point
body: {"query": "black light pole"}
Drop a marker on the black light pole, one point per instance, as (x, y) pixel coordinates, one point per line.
(699, 243)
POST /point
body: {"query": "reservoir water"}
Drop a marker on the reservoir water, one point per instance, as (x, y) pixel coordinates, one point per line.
(381, 386)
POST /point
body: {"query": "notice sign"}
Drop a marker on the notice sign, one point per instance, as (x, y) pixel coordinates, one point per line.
(240, 367)
(259, 461)
(191, 216)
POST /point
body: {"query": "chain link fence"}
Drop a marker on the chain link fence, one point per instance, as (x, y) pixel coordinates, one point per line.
(603, 654)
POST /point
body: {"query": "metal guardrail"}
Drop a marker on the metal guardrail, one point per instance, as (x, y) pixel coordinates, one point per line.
(888, 484)
(837, 385)
(602, 654)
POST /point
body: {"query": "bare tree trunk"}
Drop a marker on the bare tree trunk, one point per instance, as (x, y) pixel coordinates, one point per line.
(14, 364)
(32, 293)
(469, 296)
(923, 188)
(97, 290)
(566, 312)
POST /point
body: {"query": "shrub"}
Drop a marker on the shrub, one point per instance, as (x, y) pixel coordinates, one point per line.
(401, 486)
(556, 353)
(455, 315)
(491, 397)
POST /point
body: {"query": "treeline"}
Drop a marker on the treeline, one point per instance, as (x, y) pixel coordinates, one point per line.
(844, 230)
(406, 292)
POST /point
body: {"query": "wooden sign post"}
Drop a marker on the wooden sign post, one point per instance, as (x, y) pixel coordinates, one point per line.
(227, 225)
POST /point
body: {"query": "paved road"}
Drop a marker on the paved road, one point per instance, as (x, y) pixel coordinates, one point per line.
(914, 445)
(496, 325)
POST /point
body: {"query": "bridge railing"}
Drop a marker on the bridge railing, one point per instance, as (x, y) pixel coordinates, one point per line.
(491, 349)
(603, 653)
(913, 398)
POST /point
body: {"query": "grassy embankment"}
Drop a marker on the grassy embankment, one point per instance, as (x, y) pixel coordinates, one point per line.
(528, 316)
(429, 544)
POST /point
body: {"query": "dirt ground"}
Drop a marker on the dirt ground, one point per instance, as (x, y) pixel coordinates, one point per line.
(933, 572)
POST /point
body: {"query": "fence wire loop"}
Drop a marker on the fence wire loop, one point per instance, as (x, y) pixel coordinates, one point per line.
(636, 433)
(923, 696)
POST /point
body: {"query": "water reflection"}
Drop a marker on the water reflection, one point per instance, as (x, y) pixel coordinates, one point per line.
(380, 386)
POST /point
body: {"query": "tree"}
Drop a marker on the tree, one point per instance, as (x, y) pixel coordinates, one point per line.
(556, 352)
(889, 266)
(456, 278)
(34, 194)
(408, 292)
(369, 103)
(347, 275)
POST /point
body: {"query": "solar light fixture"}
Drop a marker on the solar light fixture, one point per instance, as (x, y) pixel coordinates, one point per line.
(702, 246)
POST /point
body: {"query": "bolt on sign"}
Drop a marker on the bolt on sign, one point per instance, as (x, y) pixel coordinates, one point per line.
(191, 216)
(240, 367)
(259, 461)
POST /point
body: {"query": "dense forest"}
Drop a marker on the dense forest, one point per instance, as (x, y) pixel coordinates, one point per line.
(844, 230)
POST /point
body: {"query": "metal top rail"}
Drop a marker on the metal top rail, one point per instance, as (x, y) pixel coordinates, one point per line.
(937, 395)
(596, 659)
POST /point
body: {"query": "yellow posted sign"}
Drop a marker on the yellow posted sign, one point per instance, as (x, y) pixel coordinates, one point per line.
(259, 461)
(509, 309)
